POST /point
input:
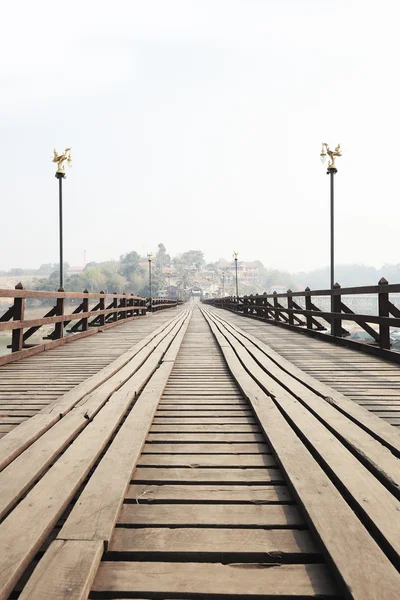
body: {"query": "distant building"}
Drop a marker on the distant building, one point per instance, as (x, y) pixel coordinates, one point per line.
(195, 290)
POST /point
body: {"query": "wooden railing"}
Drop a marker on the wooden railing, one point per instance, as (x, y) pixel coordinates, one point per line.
(109, 310)
(286, 309)
(157, 304)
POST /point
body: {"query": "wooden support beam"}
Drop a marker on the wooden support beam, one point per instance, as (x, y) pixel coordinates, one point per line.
(17, 341)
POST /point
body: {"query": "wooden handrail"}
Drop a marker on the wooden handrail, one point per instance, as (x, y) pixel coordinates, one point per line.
(22, 293)
(260, 306)
(111, 309)
(121, 308)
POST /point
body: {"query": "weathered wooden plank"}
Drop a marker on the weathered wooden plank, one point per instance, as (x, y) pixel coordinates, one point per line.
(66, 571)
(205, 437)
(209, 428)
(210, 448)
(201, 475)
(215, 515)
(211, 421)
(186, 541)
(207, 460)
(18, 476)
(260, 494)
(235, 580)
(193, 412)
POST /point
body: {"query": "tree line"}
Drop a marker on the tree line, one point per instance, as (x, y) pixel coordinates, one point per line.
(129, 274)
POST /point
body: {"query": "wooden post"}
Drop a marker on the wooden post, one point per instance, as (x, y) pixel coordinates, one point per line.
(276, 314)
(115, 305)
(383, 306)
(85, 304)
(336, 324)
(102, 302)
(264, 312)
(131, 304)
(308, 307)
(124, 304)
(290, 306)
(17, 338)
(245, 305)
(59, 327)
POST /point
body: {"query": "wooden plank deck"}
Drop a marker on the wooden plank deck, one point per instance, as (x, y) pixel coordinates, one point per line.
(214, 470)
(29, 385)
(370, 381)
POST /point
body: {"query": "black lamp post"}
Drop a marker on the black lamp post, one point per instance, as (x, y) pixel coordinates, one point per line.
(151, 300)
(332, 170)
(223, 287)
(235, 256)
(60, 175)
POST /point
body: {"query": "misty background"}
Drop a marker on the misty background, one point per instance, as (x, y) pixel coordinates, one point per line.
(199, 124)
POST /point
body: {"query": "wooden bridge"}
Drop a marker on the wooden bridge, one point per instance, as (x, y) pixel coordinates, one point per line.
(196, 453)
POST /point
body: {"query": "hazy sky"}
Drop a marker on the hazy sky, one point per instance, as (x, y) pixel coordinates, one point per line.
(198, 123)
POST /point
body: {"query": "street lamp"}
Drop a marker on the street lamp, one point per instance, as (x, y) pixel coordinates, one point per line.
(149, 255)
(332, 170)
(60, 175)
(235, 256)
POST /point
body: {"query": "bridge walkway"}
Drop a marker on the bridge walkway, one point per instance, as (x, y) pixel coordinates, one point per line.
(206, 467)
(29, 385)
(370, 381)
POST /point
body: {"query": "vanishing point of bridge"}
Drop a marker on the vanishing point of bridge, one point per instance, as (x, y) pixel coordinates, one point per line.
(196, 452)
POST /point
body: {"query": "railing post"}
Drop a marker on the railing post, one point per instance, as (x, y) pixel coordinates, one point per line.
(115, 305)
(263, 306)
(245, 304)
(124, 305)
(290, 306)
(383, 306)
(85, 307)
(17, 338)
(276, 314)
(336, 324)
(102, 303)
(131, 304)
(59, 327)
(308, 302)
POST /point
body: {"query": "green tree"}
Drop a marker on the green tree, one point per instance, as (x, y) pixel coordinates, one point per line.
(158, 283)
(191, 258)
(162, 259)
(129, 264)
(95, 279)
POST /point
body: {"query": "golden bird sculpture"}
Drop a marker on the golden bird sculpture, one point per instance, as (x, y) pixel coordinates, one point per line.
(61, 158)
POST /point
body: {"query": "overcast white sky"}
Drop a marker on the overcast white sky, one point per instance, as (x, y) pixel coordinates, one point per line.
(198, 123)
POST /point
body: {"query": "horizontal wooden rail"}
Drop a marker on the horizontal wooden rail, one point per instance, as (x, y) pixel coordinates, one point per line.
(307, 318)
(20, 292)
(156, 304)
(110, 310)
